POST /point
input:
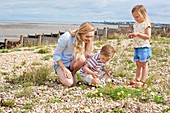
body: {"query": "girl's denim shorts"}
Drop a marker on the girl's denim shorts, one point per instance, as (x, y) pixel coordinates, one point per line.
(142, 54)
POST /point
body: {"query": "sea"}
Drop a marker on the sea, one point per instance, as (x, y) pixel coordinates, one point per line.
(13, 29)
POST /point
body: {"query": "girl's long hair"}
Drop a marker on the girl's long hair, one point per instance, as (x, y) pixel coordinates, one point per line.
(142, 12)
(84, 28)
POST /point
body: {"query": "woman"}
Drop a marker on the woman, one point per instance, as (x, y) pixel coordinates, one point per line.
(71, 52)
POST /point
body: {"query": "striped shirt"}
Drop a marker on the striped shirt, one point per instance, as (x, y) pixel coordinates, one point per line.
(94, 64)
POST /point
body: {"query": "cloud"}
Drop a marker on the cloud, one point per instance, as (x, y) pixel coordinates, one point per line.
(82, 10)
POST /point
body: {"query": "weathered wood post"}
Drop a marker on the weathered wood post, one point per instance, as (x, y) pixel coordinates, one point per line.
(6, 43)
(22, 40)
(97, 34)
(105, 32)
(39, 39)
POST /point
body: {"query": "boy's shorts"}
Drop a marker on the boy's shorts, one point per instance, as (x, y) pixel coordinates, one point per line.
(87, 78)
(142, 54)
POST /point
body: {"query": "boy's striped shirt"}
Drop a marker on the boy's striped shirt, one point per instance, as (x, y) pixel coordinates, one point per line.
(94, 64)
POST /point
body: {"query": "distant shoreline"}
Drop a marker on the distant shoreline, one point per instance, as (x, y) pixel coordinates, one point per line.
(13, 30)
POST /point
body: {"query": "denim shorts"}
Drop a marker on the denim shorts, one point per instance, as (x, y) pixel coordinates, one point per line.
(142, 54)
(56, 68)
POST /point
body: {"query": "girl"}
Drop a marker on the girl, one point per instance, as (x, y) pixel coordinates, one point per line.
(71, 51)
(142, 47)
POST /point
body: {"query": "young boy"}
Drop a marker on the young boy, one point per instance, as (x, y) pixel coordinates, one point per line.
(93, 72)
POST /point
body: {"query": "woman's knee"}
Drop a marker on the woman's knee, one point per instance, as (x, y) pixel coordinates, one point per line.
(68, 82)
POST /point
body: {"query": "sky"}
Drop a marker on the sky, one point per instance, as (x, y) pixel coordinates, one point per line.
(77, 11)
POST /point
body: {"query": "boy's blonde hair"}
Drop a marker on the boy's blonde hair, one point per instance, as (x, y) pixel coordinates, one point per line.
(141, 10)
(107, 50)
(84, 28)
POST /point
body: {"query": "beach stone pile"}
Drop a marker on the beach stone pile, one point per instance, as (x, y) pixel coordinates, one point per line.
(56, 98)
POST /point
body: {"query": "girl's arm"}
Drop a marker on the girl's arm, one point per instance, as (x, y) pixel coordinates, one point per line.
(145, 36)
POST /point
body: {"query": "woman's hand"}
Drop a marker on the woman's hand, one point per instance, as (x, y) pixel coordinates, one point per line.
(67, 73)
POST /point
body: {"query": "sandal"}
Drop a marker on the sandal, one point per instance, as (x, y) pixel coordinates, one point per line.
(134, 82)
(143, 83)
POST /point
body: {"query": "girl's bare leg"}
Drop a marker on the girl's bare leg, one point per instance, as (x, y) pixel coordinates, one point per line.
(138, 70)
(144, 71)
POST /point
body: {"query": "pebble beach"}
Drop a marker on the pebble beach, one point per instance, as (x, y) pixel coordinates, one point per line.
(52, 97)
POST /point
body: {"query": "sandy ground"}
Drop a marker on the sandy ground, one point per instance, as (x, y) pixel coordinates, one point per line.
(13, 31)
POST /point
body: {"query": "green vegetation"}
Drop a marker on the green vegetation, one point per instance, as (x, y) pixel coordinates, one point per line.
(47, 57)
(36, 63)
(44, 50)
(118, 93)
(35, 76)
(25, 92)
(159, 99)
(9, 103)
(27, 106)
(4, 51)
(53, 100)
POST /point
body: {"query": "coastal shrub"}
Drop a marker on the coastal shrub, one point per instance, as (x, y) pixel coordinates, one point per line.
(9, 103)
(159, 99)
(78, 76)
(166, 110)
(25, 92)
(23, 63)
(4, 51)
(151, 79)
(35, 100)
(44, 50)
(36, 63)
(27, 106)
(116, 93)
(4, 73)
(47, 57)
(35, 76)
(15, 49)
(54, 100)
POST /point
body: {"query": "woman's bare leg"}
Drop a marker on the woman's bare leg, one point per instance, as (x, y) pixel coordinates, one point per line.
(66, 81)
(76, 64)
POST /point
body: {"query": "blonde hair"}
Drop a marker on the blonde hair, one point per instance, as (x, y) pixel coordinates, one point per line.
(107, 50)
(84, 28)
(141, 10)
